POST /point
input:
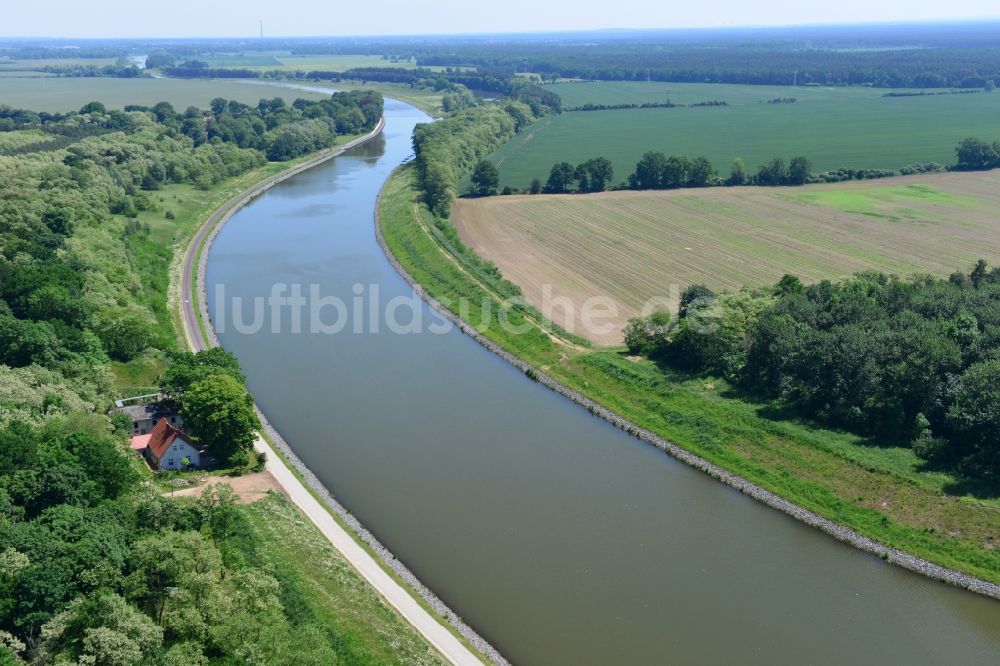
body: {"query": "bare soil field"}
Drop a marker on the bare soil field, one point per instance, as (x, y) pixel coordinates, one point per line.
(631, 247)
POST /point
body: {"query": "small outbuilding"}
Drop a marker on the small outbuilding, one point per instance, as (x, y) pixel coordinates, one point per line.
(169, 448)
(147, 415)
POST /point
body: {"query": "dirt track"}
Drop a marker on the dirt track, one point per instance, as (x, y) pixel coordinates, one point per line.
(249, 487)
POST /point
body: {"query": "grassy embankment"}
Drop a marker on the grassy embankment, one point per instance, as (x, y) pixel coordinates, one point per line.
(319, 586)
(852, 127)
(880, 491)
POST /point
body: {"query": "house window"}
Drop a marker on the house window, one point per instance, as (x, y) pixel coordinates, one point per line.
(173, 419)
(135, 424)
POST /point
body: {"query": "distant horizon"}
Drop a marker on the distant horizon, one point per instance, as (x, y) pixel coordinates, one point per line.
(516, 33)
(305, 19)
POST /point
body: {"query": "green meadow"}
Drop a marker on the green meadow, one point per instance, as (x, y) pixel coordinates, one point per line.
(68, 94)
(834, 127)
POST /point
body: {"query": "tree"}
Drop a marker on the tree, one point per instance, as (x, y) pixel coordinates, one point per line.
(124, 333)
(100, 629)
(975, 154)
(775, 172)
(220, 413)
(159, 59)
(485, 179)
(788, 284)
(644, 335)
(696, 295)
(536, 186)
(561, 177)
(594, 174)
(18, 448)
(675, 172)
(186, 368)
(799, 170)
(974, 418)
(701, 173)
(250, 623)
(978, 275)
(163, 563)
(649, 171)
(59, 221)
(738, 173)
(93, 107)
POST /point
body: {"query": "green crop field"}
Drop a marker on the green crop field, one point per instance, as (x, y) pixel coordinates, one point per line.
(834, 127)
(32, 65)
(268, 60)
(242, 60)
(283, 60)
(66, 94)
(340, 63)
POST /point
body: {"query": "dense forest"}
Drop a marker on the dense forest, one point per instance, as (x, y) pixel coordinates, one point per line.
(906, 361)
(756, 64)
(94, 567)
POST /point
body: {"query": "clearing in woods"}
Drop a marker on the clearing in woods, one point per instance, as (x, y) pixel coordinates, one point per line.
(633, 246)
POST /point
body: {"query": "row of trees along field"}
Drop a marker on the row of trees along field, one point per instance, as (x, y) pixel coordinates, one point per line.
(791, 61)
(905, 361)
(657, 171)
(94, 566)
(450, 148)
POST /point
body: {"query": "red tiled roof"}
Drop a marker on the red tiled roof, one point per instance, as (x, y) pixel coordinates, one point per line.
(162, 436)
(139, 442)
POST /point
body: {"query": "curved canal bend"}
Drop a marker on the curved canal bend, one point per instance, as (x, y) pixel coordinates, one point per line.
(558, 537)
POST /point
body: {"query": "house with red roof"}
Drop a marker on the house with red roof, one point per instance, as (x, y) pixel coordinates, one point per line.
(170, 448)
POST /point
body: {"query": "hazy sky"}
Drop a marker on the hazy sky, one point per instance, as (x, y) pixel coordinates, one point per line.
(235, 18)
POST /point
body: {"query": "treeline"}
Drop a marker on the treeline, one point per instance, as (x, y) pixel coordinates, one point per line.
(923, 93)
(646, 105)
(121, 71)
(755, 63)
(448, 149)
(618, 107)
(188, 71)
(280, 130)
(657, 171)
(911, 362)
(977, 155)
